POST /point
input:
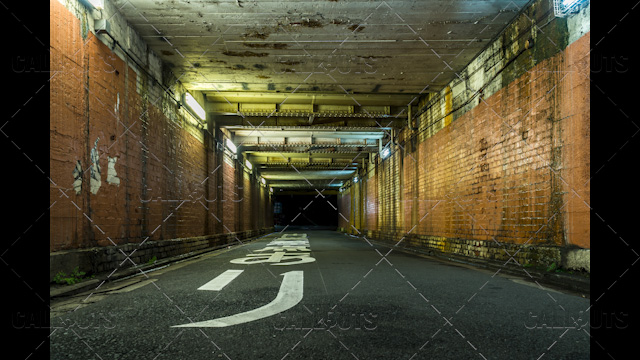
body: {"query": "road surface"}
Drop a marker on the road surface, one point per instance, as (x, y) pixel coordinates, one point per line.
(307, 294)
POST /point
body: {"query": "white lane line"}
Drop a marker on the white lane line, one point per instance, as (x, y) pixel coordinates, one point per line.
(221, 280)
(289, 296)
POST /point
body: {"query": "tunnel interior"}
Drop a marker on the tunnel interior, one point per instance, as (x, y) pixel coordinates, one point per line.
(310, 211)
(439, 124)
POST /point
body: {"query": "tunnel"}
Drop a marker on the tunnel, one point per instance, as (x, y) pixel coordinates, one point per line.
(320, 179)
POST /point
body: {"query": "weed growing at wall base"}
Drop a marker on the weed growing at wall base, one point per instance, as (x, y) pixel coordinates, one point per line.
(75, 277)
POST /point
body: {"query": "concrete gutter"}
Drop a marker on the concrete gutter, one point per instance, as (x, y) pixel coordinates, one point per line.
(57, 290)
(578, 285)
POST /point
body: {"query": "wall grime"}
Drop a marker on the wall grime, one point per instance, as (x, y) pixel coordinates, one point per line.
(508, 173)
(128, 166)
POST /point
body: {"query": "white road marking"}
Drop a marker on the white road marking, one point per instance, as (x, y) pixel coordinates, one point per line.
(289, 296)
(221, 280)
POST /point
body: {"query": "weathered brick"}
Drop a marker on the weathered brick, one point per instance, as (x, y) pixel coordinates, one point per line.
(495, 174)
(161, 164)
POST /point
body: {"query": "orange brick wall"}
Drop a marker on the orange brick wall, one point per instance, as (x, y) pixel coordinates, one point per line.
(371, 203)
(513, 169)
(344, 211)
(168, 188)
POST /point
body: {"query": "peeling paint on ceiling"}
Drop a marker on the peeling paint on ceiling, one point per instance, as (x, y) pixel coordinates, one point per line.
(422, 39)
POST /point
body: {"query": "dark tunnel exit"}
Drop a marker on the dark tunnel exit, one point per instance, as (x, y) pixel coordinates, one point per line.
(306, 210)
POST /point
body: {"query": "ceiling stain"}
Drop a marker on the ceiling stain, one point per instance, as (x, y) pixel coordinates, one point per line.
(244, 53)
(259, 66)
(290, 62)
(374, 57)
(310, 23)
(255, 35)
(168, 53)
(356, 28)
(276, 46)
(264, 77)
(256, 45)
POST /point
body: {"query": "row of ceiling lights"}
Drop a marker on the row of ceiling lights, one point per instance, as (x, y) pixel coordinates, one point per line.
(196, 108)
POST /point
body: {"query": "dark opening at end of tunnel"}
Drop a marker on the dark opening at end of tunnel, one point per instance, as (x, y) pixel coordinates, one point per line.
(306, 210)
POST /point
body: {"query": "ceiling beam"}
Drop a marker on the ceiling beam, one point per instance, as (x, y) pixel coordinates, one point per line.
(305, 174)
(262, 121)
(303, 184)
(255, 97)
(319, 149)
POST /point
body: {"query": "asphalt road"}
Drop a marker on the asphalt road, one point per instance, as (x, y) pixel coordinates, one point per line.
(358, 302)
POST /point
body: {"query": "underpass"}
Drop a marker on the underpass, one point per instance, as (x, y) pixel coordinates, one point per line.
(337, 297)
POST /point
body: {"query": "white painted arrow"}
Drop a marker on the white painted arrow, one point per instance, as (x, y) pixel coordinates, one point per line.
(289, 296)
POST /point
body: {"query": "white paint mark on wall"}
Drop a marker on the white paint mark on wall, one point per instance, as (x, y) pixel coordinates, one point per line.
(77, 178)
(95, 182)
(112, 176)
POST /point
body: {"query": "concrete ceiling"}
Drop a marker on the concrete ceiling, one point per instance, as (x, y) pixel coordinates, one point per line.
(323, 45)
(334, 66)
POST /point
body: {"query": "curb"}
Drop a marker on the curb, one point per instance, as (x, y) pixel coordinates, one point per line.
(58, 291)
(576, 284)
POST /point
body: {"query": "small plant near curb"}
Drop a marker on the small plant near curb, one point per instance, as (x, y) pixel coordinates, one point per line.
(75, 277)
(152, 260)
(552, 267)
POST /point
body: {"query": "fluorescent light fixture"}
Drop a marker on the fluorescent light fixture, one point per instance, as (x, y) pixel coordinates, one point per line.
(97, 4)
(270, 189)
(385, 153)
(231, 146)
(263, 181)
(191, 102)
(248, 164)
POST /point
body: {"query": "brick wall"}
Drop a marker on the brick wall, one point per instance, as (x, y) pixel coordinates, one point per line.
(166, 184)
(371, 203)
(344, 211)
(508, 174)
